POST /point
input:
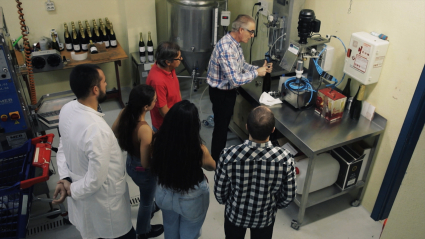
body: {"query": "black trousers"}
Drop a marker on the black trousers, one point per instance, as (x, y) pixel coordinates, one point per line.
(234, 232)
(223, 102)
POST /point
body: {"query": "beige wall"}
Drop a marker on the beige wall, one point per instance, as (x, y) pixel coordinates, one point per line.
(404, 23)
(408, 212)
(128, 16)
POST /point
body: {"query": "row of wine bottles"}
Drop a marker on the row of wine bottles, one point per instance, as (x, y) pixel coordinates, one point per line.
(142, 49)
(356, 103)
(81, 39)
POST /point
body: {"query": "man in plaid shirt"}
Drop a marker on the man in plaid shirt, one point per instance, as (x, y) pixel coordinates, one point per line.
(254, 179)
(227, 70)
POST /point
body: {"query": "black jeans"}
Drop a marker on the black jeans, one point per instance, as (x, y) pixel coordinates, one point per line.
(130, 235)
(234, 232)
(223, 102)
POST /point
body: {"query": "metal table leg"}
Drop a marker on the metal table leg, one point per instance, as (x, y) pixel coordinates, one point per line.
(295, 224)
(116, 93)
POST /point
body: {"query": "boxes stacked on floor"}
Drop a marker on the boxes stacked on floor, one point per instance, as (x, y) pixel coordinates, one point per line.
(350, 166)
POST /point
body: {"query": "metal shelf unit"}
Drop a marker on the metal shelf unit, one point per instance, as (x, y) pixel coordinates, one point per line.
(313, 135)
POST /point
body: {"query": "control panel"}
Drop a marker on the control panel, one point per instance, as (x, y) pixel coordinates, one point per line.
(10, 106)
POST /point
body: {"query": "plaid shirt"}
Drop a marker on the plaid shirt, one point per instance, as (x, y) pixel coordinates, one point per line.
(227, 68)
(254, 180)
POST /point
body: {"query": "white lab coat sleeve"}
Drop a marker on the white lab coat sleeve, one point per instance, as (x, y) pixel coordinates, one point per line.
(61, 161)
(97, 146)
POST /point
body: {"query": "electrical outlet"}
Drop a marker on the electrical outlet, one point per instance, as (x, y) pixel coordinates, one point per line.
(50, 6)
(265, 6)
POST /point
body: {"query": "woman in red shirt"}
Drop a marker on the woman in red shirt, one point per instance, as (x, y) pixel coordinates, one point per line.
(162, 77)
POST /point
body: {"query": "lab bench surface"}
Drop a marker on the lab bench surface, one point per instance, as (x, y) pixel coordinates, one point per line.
(313, 135)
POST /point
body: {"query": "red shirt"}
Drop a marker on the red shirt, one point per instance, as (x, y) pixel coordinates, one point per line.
(167, 90)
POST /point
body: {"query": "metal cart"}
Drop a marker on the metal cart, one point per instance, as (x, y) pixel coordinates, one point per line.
(17, 168)
(313, 135)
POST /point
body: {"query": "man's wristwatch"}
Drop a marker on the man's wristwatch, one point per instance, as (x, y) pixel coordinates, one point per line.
(67, 179)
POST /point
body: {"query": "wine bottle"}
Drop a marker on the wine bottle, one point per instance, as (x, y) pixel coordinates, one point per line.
(68, 39)
(108, 26)
(75, 40)
(142, 50)
(94, 28)
(84, 41)
(93, 48)
(150, 48)
(89, 35)
(347, 90)
(347, 93)
(97, 37)
(80, 25)
(356, 105)
(105, 37)
(55, 44)
(112, 37)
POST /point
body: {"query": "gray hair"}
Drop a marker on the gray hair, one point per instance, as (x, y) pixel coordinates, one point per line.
(241, 21)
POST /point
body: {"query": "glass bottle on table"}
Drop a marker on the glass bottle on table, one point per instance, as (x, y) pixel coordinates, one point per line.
(356, 105)
(68, 39)
(84, 41)
(93, 48)
(347, 92)
(55, 44)
(105, 37)
(150, 48)
(142, 49)
(112, 36)
(75, 40)
(97, 37)
(89, 35)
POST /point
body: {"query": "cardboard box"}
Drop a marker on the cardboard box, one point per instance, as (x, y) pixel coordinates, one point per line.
(102, 54)
(350, 165)
(330, 104)
(362, 148)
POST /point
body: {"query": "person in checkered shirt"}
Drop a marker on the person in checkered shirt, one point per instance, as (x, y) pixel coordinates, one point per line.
(227, 70)
(254, 179)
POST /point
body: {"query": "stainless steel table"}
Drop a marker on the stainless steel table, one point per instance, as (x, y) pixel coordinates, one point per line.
(313, 135)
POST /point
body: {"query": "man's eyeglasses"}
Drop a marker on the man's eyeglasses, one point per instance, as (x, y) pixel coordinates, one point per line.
(252, 32)
(178, 59)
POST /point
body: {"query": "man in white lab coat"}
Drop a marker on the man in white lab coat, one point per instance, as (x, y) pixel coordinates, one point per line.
(90, 162)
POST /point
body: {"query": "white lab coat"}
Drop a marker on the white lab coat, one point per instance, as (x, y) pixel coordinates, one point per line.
(89, 154)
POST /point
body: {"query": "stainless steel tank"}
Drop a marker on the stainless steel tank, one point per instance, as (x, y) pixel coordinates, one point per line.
(192, 28)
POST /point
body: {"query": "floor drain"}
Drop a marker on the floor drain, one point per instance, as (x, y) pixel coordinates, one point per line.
(134, 201)
(51, 224)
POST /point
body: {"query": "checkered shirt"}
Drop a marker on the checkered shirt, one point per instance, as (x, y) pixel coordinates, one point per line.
(227, 68)
(254, 180)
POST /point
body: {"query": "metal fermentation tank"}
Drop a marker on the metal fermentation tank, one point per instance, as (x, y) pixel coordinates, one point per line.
(194, 27)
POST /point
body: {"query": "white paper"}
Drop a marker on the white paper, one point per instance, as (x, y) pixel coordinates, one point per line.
(368, 110)
(268, 100)
(291, 149)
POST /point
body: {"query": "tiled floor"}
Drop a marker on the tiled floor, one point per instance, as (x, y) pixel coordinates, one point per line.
(334, 219)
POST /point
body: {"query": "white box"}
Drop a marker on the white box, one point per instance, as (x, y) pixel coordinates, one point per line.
(225, 18)
(365, 57)
(327, 58)
(325, 172)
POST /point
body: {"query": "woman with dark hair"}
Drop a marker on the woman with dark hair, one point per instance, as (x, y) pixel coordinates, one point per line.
(163, 78)
(135, 136)
(178, 155)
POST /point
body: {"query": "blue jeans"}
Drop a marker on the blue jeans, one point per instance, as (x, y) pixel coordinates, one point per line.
(147, 186)
(183, 214)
